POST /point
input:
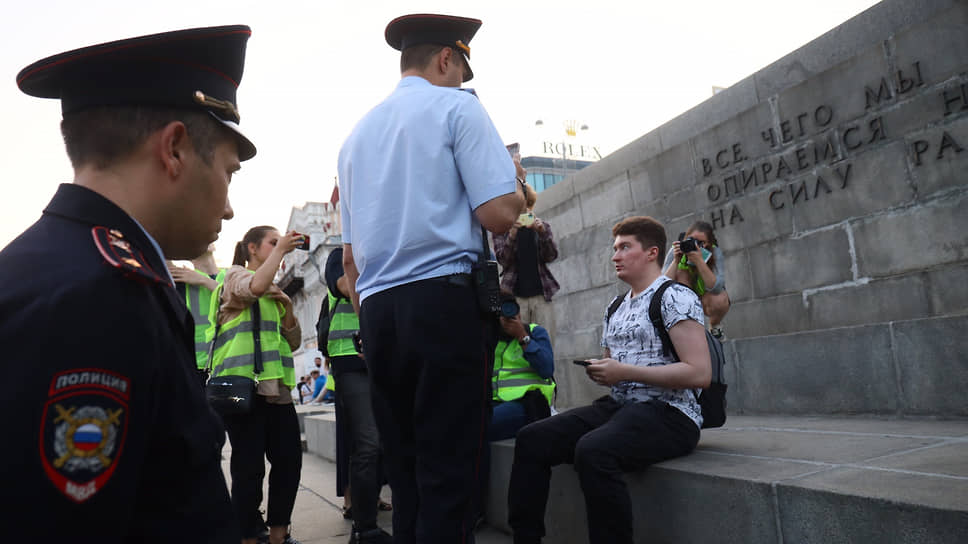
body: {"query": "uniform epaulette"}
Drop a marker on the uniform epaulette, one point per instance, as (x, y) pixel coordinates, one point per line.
(122, 255)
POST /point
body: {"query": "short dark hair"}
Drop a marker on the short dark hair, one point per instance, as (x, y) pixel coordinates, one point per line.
(103, 135)
(646, 230)
(418, 57)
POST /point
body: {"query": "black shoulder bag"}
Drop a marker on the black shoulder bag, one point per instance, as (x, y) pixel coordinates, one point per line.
(232, 395)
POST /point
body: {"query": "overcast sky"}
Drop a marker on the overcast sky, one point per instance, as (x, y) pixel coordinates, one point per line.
(314, 68)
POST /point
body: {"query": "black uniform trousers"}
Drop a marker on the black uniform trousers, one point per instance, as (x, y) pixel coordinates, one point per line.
(356, 410)
(269, 431)
(602, 441)
(425, 348)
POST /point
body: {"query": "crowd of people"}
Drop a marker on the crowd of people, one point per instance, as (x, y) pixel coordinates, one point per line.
(424, 337)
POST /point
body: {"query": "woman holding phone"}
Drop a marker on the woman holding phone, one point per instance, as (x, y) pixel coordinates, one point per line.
(249, 305)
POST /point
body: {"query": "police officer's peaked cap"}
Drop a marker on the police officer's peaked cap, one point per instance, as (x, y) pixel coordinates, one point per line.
(409, 30)
(199, 68)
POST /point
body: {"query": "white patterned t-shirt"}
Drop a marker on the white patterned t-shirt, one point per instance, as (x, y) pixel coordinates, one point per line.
(631, 339)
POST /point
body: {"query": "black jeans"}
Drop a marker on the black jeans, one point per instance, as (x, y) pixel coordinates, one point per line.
(364, 442)
(425, 349)
(602, 441)
(269, 431)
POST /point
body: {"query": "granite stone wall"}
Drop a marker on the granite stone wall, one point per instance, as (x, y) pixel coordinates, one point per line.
(837, 181)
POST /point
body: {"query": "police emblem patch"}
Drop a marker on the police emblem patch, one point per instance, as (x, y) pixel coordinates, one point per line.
(122, 255)
(83, 430)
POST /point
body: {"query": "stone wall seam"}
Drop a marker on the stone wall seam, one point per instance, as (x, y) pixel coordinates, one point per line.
(797, 235)
(852, 249)
(749, 271)
(940, 199)
(777, 518)
(889, 48)
(898, 382)
(807, 293)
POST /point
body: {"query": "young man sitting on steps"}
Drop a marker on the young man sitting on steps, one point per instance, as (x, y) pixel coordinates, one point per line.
(650, 415)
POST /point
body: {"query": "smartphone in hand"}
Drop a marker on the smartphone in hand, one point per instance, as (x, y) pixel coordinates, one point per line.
(581, 362)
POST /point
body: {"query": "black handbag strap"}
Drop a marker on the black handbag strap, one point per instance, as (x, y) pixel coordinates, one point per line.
(257, 337)
(218, 326)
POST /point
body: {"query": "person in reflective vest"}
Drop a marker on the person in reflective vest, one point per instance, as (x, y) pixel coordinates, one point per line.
(196, 286)
(521, 384)
(249, 304)
(359, 458)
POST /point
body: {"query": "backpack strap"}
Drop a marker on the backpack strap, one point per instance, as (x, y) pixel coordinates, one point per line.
(616, 302)
(332, 313)
(655, 316)
(322, 337)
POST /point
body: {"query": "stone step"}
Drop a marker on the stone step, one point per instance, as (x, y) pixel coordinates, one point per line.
(304, 410)
(771, 479)
(784, 479)
(321, 435)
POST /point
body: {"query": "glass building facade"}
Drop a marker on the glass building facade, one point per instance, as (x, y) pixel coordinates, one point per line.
(543, 172)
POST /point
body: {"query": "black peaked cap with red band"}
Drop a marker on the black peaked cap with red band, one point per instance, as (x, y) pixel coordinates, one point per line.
(409, 30)
(198, 68)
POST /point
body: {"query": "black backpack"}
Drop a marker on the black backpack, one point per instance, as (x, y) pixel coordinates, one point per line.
(322, 325)
(712, 399)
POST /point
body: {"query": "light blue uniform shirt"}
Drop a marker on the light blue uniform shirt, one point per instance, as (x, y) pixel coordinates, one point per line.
(411, 174)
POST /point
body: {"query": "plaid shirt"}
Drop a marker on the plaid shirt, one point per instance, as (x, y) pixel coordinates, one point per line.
(506, 251)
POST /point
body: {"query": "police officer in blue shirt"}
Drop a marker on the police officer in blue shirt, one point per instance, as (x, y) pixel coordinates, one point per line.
(117, 442)
(418, 177)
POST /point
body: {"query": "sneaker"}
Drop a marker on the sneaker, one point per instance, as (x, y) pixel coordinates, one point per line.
(371, 536)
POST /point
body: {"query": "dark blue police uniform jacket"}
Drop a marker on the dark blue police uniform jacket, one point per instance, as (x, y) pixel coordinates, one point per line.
(109, 435)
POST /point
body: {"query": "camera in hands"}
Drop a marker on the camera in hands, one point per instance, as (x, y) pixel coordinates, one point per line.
(689, 245)
(510, 308)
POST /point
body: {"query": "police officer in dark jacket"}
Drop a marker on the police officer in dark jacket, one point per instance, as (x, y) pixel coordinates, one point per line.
(116, 441)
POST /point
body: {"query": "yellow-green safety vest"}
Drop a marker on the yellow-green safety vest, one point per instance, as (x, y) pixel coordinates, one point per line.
(234, 350)
(199, 299)
(341, 327)
(513, 376)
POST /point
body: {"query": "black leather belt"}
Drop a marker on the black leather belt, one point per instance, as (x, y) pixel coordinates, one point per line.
(460, 280)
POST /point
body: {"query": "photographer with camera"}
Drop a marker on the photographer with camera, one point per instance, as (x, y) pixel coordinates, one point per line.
(418, 177)
(697, 262)
(522, 388)
(522, 384)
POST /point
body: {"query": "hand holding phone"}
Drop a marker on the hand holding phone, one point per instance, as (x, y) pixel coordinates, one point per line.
(305, 243)
(581, 362)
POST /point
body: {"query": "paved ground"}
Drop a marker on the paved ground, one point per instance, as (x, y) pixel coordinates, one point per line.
(317, 518)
